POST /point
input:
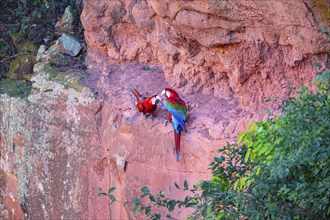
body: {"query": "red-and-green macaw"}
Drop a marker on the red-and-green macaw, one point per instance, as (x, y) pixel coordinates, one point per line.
(145, 105)
(177, 115)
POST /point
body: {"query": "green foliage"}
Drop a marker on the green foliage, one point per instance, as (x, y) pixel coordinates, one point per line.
(32, 21)
(109, 194)
(28, 10)
(293, 159)
(279, 170)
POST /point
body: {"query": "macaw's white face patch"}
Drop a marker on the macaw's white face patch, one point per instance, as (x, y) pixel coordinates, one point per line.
(168, 94)
(155, 100)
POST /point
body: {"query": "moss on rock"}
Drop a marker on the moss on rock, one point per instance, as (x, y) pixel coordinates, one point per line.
(15, 88)
(22, 67)
(28, 46)
(68, 79)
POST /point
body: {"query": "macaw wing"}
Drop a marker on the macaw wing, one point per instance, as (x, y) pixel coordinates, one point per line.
(178, 113)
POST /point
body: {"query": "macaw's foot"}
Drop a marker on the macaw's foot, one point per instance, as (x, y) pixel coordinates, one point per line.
(149, 115)
(166, 122)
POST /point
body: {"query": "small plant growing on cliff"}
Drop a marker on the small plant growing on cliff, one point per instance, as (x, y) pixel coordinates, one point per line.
(109, 194)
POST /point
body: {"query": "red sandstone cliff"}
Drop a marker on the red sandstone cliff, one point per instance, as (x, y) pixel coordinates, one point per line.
(223, 57)
(245, 48)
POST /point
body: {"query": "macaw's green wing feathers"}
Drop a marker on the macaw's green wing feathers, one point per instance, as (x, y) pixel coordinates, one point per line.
(178, 113)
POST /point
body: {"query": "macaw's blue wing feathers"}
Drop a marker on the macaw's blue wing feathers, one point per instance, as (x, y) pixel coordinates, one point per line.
(178, 125)
(178, 113)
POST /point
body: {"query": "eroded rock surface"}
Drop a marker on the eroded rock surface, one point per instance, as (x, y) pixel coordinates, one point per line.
(63, 142)
(246, 48)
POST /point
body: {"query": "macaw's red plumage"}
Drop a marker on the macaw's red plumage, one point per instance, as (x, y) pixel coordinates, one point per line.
(177, 115)
(145, 105)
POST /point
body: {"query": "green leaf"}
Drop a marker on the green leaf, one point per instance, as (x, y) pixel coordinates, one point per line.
(172, 204)
(190, 204)
(136, 206)
(317, 65)
(111, 190)
(156, 217)
(185, 185)
(112, 199)
(145, 190)
(176, 185)
(247, 155)
(152, 198)
(218, 159)
(209, 212)
(221, 215)
(169, 216)
(102, 194)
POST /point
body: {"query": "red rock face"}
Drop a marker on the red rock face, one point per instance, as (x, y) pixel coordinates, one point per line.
(10, 207)
(222, 57)
(148, 145)
(62, 145)
(245, 48)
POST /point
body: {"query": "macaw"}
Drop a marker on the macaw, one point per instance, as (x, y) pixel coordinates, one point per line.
(145, 105)
(177, 110)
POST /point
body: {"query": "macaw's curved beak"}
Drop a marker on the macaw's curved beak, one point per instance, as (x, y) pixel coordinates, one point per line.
(163, 93)
(158, 99)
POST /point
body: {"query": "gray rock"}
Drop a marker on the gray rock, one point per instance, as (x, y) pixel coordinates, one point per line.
(65, 24)
(41, 53)
(68, 45)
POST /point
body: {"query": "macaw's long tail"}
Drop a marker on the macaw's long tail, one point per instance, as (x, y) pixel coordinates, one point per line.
(136, 93)
(177, 144)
